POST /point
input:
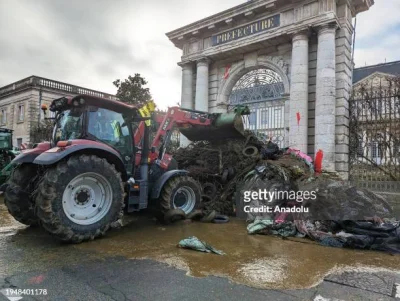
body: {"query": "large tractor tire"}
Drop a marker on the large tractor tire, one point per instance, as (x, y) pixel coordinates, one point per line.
(18, 194)
(180, 192)
(80, 199)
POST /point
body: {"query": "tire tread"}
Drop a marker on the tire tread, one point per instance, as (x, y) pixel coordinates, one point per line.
(48, 192)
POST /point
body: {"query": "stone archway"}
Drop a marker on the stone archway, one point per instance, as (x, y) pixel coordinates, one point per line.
(263, 88)
(313, 37)
(238, 70)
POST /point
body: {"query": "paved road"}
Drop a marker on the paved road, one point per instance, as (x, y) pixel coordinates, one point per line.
(109, 268)
(118, 278)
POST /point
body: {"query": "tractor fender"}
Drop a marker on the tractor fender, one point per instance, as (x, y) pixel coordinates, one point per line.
(29, 155)
(159, 184)
(25, 158)
(57, 154)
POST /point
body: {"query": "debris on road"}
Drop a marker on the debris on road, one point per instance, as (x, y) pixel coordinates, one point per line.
(196, 244)
(218, 166)
(354, 234)
(341, 215)
(221, 166)
(173, 215)
(208, 217)
(268, 226)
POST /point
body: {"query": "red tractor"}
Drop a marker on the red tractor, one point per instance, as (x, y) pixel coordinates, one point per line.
(100, 162)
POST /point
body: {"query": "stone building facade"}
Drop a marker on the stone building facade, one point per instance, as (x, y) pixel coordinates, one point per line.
(375, 75)
(20, 103)
(289, 61)
(376, 109)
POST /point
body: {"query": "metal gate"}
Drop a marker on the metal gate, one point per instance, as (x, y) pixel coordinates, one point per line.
(261, 90)
(374, 141)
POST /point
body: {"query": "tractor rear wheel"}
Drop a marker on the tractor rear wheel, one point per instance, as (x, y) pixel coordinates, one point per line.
(180, 192)
(18, 194)
(80, 199)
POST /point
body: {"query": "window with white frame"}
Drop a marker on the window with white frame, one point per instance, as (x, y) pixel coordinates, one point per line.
(21, 112)
(360, 147)
(253, 118)
(264, 117)
(376, 106)
(3, 117)
(375, 150)
(396, 149)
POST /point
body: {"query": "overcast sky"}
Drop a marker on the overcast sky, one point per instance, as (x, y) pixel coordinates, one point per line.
(91, 43)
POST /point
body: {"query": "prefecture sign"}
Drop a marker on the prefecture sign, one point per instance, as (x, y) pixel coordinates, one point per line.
(247, 30)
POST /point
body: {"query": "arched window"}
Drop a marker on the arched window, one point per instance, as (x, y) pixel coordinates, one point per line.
(256, 86)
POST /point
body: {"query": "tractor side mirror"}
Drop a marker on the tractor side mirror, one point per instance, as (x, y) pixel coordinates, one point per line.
(153, 149)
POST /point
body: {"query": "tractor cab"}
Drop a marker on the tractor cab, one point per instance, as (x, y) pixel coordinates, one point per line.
(83, 120)
(5, 139)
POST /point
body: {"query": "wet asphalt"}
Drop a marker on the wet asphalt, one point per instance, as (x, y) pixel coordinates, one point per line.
(141, 261)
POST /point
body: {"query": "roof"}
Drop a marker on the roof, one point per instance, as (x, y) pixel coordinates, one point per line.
(213, 23)
(223, 14)
(392, 68)
(41, 82)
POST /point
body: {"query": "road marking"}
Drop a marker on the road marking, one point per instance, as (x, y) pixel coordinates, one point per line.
(397, 290)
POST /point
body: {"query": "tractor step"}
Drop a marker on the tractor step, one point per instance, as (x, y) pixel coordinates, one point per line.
(138, 196)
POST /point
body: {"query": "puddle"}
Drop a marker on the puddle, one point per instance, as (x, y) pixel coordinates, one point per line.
(254, 260)
(258, 261)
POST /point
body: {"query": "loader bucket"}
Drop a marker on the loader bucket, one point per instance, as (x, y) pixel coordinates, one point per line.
(224, 126)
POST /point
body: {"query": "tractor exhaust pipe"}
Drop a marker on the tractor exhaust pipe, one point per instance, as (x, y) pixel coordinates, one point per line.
(144, 161)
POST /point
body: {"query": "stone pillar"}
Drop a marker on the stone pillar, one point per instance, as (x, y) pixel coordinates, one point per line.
(344, 68)
(201, 100)
(298, 116)
(325, 105)
(187, 94)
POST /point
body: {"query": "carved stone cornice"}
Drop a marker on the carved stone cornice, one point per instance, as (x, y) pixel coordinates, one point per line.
(204, 61)
(186, 65)
(301, 35)
(330, 27)
(221, 17)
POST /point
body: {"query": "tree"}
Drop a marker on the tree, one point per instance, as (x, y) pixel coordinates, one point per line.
(133, 90)
(41, 131)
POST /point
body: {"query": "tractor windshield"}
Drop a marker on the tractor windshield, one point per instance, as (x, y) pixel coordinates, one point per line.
(69, 125)
(110, 128)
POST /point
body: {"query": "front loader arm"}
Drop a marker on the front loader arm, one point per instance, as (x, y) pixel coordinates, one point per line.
(180, 118)
(175, 117)
(195, 125)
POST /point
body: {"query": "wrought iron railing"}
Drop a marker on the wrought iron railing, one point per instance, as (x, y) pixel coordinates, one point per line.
(35, 81)
(267, 122)
(374, 142)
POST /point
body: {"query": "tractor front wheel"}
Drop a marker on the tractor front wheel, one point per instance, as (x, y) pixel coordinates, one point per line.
(80, 199)
(18, 194)
(180, 192)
